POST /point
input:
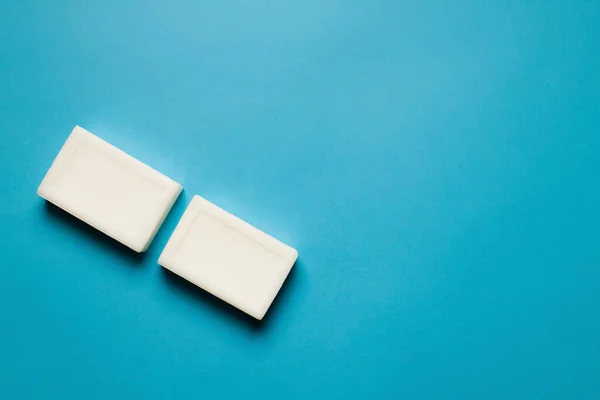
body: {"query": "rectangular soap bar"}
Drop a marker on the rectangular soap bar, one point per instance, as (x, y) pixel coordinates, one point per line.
(108, 189)
(228, 257)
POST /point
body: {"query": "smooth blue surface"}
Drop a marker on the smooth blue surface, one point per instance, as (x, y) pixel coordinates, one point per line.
(434, 162)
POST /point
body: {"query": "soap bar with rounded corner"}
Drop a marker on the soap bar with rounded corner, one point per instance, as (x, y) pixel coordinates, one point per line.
(228, 257)
(108, 189)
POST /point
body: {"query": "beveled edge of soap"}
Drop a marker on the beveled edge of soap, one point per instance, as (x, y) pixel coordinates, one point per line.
(288, 254)
(81, 136)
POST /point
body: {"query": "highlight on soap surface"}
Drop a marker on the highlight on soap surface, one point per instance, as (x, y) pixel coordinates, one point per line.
(109, 189)
(228, 257)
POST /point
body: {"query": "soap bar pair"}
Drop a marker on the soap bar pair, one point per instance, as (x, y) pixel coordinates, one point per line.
(128, 201)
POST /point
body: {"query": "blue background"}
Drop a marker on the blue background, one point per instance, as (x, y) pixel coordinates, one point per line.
(434, 162)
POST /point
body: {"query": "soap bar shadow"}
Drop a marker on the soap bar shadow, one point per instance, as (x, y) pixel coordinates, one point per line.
(91, 234)
(227, 310)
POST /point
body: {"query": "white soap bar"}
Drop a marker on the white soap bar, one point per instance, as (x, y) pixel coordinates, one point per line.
(228, 257)
(108, 189)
